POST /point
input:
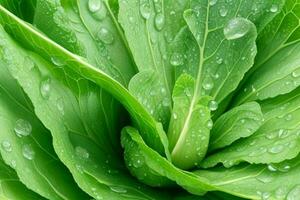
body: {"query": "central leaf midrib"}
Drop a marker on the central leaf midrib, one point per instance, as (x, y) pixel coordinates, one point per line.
(197, 90)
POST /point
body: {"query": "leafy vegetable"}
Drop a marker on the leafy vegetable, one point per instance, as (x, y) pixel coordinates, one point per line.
(149, 99)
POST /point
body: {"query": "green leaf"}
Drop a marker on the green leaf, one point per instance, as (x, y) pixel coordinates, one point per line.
(69, 109)
(190, 126)
(146, 84)
(136, 164)
(12, 188)
(223, 47)
(149, 28)
(278, 181)
(245, 181)
(26, 145)
(239, 122)
(89, 29)
(150, 130)
(275, 141)
(276, 69)
(159, 167)
(22, 8)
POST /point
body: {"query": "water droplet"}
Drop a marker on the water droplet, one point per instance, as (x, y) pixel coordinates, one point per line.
(22, 128)
(219, 61)
(213, 105)
(145, 10)
(82, 152)
(272, 135)
(13, 164)
(288, 117)
(28, 152)
(272, 168)
(265, 195)
(176, 59)
(60, 105)
(58, 61)
(105, 36)
(187, 92)
(45, 88)
(213, 2)
(296, 73)
(208, 83)
(159, 21)
(274, 8)
(94, 5)
(236, 28)
(28, 62)
(175, 116)
(118, 189)
(223, 11)
(6, 146)
(282, 133)
(276, 149)
(209, 124)
(294, 194)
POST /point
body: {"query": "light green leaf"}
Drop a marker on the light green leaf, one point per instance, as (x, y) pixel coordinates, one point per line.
(135, 162)
(89, 29)
(26, 145)
(190, 126)
(278, 181)
(12, 188)
(276, 69)
(149, 28)
(159, 167)
(245, 181)
(275, 141)
(239, 122)
(151, 93)
(225, 47)
(150, 130)
(69, 109)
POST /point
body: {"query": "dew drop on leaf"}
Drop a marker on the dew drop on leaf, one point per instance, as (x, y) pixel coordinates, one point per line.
(175, 116)
(6, 146)
(219, 61)
(209, 124)
(82, 152)
(213, 105)
(45, 88)
(159, 21)
(28, 152)
(13, 164)
(60, 105)
(212, 2)
(208, 83)
(105, 36)
(176, 59)
(57, 61)
(94, 5)
(276, 149)
(296, 73)
(294, 194)
(145, 10)
(118, 189)
(22, 128)
(272, 168)
(274, 8)
(223, 11)
(236, 28)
